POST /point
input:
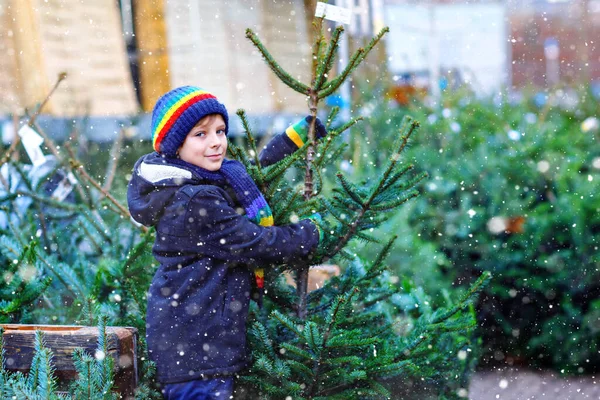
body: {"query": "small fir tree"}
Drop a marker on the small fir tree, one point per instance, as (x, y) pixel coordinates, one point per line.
(342, 340)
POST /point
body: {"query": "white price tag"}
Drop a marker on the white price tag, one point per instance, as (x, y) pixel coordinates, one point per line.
(32, 141)
(64, 188)
(333, 13)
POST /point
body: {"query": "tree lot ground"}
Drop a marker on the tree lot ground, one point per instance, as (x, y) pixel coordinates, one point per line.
(513, 383)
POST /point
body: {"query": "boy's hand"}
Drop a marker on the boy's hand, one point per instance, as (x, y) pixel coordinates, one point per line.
(298, 133)
(329, 237)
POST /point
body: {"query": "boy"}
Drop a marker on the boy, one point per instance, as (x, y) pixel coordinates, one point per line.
(198, 300)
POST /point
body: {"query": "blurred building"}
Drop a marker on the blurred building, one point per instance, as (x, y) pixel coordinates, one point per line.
(554, 40)
(40, 39)
(448, 43)
(120, 55)
(491, 44)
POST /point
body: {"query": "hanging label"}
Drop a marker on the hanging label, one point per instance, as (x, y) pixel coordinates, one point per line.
(32, 141)
(333, 13)
(64, 188)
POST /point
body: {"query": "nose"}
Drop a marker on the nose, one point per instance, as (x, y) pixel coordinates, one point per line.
(214, 140)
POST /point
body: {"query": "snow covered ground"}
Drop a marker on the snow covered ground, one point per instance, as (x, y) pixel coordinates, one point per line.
(523, 384)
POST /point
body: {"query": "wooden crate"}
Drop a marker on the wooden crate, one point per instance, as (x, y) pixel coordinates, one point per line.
(63, 340)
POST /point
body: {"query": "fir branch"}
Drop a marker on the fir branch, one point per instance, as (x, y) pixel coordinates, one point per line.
(393, 178)
(31, 292)
(88, 234)
(46, 385)
(275, 67)
(76, 165)
(74, 287)
(233, 150)
(373, 42)
(367, 238)
(343, 360)
(305, 372)
(468, 297)
(97, 223)
(83, 363)
(352, 190)
(61, 77)
(242, 114)
(379, 298)
(113, 160)
(331, 155)
(346, 255)
(9, 245)
(341, 217)
(298, 351)
(332, 114)
(106, 361)
(288, 205)
(378, 262)
(380, 389)
(313, 337)
(407, 128)
(83, 190)
(322, 344)
(274, 171)
(346, 126)
(390, 205)
(340, 341)
(139, 250)
(409, 183)
(404, 367)
(410, 347)
(334, 84)
(318, 46)
(326, 64)
(262, 338)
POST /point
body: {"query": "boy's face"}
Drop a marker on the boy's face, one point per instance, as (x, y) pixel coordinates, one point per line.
(206, 143)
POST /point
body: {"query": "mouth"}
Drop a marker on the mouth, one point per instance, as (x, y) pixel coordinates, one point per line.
(214, 156)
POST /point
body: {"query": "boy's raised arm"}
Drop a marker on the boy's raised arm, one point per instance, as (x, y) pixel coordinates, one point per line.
(216, 230)
(294, 137)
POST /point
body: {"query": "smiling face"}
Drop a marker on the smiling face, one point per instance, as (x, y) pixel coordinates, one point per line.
(206, 143)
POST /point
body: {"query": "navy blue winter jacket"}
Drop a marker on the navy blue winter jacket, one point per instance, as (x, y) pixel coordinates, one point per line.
(198, 300)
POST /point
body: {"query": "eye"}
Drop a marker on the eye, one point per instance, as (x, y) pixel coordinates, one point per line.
(200, 133)
(221, 131)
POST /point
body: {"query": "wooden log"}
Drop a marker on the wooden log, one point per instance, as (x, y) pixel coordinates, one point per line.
(63, 340)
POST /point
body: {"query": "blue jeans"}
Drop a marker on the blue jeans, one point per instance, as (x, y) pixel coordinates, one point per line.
(200, 389)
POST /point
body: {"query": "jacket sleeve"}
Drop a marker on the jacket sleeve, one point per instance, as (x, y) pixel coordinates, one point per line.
(216, 230)
(276, 150)
(294, 137)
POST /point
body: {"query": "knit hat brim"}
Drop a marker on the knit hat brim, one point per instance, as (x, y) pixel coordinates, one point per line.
(177, 112)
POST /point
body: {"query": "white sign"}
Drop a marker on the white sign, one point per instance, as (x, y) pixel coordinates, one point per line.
(64, 187)
(32, 141)
(333, 13)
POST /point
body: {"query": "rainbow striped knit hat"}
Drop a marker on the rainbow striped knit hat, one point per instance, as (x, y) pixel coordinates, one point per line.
(177, 112)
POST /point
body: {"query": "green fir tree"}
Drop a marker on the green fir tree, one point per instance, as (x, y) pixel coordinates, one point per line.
(348, 338)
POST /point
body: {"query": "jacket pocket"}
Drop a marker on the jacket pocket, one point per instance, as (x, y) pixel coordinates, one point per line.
(236, 297)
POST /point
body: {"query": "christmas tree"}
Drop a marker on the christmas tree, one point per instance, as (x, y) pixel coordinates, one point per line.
(343, 340)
